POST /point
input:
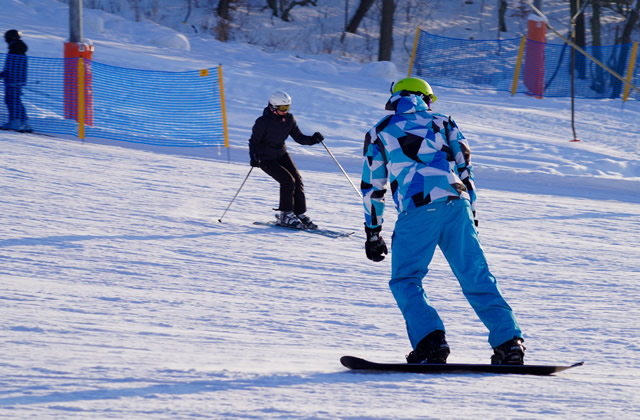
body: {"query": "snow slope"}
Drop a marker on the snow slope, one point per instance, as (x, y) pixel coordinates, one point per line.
(122, 296)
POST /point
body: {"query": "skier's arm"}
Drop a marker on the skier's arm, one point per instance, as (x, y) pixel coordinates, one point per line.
(257, 134)
(297, 135)
(374, 180)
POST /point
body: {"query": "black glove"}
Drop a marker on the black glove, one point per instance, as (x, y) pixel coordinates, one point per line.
(255, 162)
(317, 137)
(475, 218)
(375, 245)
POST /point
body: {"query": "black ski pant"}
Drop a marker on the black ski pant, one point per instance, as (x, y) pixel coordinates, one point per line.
(285, 172)
(14, 103)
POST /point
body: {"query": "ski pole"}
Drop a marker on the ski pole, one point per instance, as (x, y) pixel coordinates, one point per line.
(234, 197)
(342, 169)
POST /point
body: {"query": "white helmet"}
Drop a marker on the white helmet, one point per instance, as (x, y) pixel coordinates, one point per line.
(280, 100)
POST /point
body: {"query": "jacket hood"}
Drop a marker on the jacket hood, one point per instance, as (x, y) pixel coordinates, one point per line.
(405, 104)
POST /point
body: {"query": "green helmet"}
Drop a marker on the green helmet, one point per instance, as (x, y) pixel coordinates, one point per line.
(414, 85)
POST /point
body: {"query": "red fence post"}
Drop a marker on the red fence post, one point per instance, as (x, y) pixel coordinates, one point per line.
(76, 50)
(534, 57)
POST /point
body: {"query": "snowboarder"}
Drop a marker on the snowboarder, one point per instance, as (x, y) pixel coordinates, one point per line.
(427, 161)
(15, 78)
(267, 151)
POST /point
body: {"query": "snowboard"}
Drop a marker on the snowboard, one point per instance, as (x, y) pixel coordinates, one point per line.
(356, 363)
(324, 232)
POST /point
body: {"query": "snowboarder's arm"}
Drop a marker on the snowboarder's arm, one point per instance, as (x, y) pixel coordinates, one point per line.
(374, 180)
(462, 154)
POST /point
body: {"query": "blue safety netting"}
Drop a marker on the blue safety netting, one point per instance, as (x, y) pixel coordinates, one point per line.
(466, 64)
(490, 64)
(142, 106)
(590, 80)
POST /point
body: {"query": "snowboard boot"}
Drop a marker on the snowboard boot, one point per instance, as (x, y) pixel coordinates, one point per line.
(306, 222)
(288, 219)
(509, 353)
(431, 349)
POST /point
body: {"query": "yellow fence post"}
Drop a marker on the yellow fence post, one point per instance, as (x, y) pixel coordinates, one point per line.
(516, 73)
(413, 53)
(81, 109)
(224, 109)
(632, 62)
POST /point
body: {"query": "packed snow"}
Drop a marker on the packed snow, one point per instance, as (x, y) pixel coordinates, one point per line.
(123, 296)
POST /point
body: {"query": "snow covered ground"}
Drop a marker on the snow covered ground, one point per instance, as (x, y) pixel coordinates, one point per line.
(122, 296)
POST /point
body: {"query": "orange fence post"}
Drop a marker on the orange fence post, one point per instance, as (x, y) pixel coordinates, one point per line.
(71, 89)
(533, 75)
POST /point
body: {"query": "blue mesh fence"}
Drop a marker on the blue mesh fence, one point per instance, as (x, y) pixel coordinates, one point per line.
(181, 109)
(490, 64)
(466, 64)
(591, 81)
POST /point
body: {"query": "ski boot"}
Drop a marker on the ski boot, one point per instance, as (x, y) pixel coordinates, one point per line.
(509, 353)
(306, 222)
(12, 125)
(24, 127)
(288, 219)
(431, 349)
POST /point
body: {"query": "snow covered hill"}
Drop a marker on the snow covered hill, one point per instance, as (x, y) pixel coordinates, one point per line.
(122, 296)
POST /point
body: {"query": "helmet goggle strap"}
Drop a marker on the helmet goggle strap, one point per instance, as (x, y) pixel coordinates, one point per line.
(282, 108)
(428, 99)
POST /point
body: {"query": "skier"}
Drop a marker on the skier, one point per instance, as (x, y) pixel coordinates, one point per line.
(268, 152)
(427, 161)
(15, 77)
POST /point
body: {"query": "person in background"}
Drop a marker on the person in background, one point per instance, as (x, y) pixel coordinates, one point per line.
(427, 161)
(267, 151)
(15, 78)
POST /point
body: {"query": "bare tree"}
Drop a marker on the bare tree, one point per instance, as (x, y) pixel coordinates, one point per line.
(135, 4)
(386, 30)
(502, 11)
(282, 8)
(599, 80)
(360, 13)
(632, 18)
(223, 9)
(580, 37)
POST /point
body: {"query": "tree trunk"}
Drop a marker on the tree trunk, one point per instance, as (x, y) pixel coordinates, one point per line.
(273, 6)
(599, 80)
(502, 11)
(625, 40)
(223, 9)
(580, 39)
(634, 15)
(361, 12)
(386, 30)
(136, 10)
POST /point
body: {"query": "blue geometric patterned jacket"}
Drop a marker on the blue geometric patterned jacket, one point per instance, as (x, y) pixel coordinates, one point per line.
(422, 154)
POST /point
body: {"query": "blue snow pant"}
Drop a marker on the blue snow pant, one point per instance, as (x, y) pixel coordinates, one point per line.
(450, 226)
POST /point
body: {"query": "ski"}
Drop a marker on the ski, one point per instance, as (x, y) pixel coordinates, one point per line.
(324, 232)
(356, 363)
(28, 132)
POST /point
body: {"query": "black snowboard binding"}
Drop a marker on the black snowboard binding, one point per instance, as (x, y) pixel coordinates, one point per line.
(509, 353)
(431, 349)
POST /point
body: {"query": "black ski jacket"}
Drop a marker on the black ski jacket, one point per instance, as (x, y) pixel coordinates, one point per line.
(269, 134)
(15, 65)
